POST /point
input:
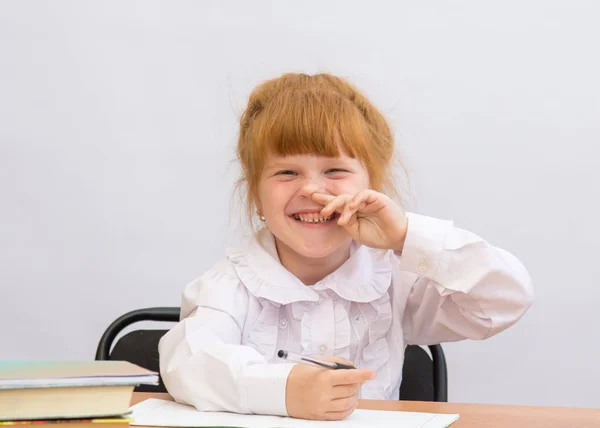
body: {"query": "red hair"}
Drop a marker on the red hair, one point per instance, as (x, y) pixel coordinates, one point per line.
(321, 115)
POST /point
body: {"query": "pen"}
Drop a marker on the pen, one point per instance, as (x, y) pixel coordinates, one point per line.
(285, 355)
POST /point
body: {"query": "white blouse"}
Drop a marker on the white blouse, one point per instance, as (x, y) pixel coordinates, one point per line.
(447, 285)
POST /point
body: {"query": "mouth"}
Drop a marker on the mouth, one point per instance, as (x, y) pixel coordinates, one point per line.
(313, 218)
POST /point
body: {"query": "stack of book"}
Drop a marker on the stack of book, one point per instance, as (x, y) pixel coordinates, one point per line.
(74, 394)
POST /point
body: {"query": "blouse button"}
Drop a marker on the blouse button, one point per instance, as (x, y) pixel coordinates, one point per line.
(422, 267)
(283, 323)
(323, 349)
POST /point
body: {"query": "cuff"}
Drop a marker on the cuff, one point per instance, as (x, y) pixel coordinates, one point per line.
(424, 244)
(265, 388)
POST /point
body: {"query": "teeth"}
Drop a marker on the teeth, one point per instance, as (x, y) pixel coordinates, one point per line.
(312, 218)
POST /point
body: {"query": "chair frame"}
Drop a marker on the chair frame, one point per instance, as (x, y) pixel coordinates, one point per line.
(440, 373)
(172, 314)
(166, 314)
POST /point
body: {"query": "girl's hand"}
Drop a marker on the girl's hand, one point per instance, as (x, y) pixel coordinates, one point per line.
(324, 394)
(371, 218)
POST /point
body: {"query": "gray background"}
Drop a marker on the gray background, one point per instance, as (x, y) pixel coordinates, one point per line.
(117, 130)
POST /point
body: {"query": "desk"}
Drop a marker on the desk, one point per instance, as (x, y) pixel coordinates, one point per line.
(477, 415)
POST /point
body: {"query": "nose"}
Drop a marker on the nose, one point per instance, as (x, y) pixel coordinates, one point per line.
(313, 181)
(307, 190)
(310, 186)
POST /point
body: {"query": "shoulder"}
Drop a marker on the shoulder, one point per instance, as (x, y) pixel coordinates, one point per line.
(218, 287)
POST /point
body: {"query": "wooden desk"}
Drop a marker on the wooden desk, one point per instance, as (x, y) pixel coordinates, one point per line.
(477, 415)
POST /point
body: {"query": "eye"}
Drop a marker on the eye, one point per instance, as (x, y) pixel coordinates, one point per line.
(286, 172)
(335, 170)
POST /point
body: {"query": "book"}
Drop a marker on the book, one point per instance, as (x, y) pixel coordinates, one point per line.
(69, 423)
(70, 389)
(162, 413)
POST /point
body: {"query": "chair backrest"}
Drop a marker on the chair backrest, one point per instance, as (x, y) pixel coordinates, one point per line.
(139, 346)
(424, 378)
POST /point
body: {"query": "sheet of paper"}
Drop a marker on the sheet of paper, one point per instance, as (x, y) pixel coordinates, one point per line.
(161, 413)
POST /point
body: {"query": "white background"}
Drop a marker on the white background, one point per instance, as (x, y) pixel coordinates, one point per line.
(118, 125)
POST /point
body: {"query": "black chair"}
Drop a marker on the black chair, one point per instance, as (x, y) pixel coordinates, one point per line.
(139, 346)
(424, 378)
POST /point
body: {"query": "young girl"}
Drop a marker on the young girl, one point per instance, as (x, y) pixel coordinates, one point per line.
(339, 271)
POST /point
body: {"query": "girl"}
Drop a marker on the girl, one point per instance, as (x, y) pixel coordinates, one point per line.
(338, 271)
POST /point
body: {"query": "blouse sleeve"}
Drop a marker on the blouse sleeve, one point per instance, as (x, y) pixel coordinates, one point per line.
(456, 285)
(202, 361)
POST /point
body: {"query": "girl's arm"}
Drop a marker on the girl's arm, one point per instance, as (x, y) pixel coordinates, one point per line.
(202, 361)
(454, 285)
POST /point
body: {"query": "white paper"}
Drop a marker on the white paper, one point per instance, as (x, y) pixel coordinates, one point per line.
(162, 413)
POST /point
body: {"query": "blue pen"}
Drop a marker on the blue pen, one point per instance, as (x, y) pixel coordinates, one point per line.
(290, 356)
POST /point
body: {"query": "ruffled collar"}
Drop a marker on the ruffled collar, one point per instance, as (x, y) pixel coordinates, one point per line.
(364, 277)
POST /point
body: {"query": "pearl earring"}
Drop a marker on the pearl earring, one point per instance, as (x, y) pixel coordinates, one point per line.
(262, 218)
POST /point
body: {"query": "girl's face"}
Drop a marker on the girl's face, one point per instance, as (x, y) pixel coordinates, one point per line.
(284, 192)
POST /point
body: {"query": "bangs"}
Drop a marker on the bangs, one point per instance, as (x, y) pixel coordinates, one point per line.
(320, 115)
(300, 122)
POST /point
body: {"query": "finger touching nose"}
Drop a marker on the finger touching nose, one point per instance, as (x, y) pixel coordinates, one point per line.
(308, 189)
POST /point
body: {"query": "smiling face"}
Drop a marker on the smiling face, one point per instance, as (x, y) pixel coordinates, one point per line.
(300, 134)
(284, 199)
